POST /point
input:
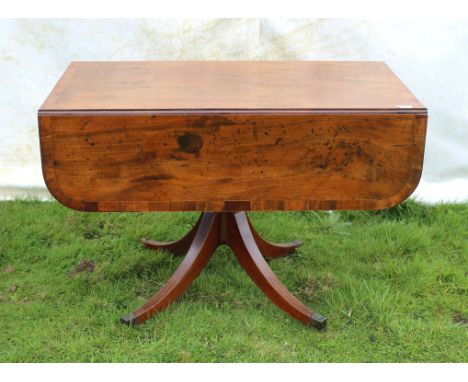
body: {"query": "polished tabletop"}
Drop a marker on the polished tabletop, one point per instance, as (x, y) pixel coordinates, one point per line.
(230, 85)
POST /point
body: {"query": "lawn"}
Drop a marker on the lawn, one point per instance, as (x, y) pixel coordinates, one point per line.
(392, 283)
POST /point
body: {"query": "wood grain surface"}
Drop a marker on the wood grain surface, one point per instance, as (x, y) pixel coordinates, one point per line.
(232, 162)
(238, 85)
(231, 136)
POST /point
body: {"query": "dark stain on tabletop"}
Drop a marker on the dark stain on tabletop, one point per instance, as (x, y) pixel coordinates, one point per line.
(190, 143)
(153, 177)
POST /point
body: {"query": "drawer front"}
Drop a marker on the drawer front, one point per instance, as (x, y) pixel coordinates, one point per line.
(219, 162)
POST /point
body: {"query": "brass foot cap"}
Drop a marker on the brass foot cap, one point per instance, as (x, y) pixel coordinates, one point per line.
(319, 321)
(129, 319)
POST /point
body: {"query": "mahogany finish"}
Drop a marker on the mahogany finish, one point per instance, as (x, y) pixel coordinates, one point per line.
(227, 137)
(231, 136)
(227, 162)
(178, 247)
(235, 230)
(229, 85)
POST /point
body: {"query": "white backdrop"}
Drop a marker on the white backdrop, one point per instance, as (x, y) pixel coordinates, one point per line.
(430, 56)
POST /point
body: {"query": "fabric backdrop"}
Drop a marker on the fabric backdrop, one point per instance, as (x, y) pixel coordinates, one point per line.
(430, 56)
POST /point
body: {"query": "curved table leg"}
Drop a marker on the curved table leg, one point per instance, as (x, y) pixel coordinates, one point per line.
(178, 247)
(203, 246)
(273, 250)
(248, 254)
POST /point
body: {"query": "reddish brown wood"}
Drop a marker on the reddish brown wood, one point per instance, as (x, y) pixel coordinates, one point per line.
(181, 246)
(248, 254)
(202, 248)
(229, 85)
(231, 136)
(235, 230)
(178, 247)
(272, 250)
(232, 162)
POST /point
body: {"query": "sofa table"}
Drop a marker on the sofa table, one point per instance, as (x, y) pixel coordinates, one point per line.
(228, 137)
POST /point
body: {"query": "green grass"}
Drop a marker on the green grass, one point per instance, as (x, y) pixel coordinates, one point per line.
(392, 283)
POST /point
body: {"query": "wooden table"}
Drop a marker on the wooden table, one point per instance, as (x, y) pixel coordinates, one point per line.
(228, 137)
